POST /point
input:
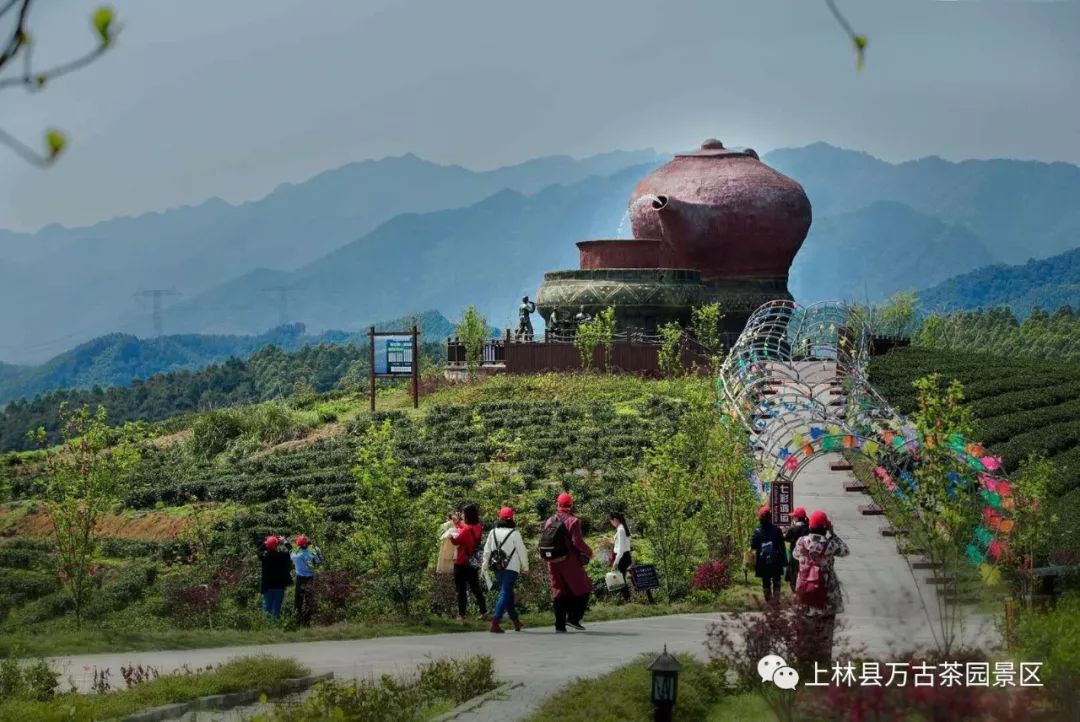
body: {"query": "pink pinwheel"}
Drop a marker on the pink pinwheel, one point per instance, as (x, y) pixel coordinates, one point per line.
(991, 463)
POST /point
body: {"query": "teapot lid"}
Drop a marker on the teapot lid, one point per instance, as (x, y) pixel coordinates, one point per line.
(713, 148)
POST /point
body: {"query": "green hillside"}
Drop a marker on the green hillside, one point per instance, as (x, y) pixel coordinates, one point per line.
(179, 547)
(1022, 407)
(120, 359)
(1048, 283)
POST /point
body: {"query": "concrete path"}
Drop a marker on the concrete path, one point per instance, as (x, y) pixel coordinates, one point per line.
(538, 658)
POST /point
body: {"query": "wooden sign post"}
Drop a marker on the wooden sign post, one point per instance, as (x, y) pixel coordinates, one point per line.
(394, 355)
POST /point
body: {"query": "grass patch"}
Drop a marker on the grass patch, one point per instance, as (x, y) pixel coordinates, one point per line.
(744, 707)
(625, 695)
(578, 387)
(264, 674)
(437, 687)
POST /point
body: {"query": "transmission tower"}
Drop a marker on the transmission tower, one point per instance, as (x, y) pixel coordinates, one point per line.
(283, 302)
(157, 294)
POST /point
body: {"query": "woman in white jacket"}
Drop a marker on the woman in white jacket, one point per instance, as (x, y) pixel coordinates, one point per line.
(620, 557)
(506, 556)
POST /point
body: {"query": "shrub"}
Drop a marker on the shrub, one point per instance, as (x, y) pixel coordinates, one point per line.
(714, 576)
(25, 585)
(333, 590)
(45, 608)
(439, 684)
(127, 588)
(273, 423)
(211, 432)
(36, 681)
(1054, 639)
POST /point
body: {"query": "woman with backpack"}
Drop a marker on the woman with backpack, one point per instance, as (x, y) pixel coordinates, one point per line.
(468, 560)
(505, 556)
(792, 535)
(816, 588)
(620, 554)
(563, 548)
(770, 554)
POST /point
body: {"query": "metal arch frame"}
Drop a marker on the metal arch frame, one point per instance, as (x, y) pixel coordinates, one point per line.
(834, 334)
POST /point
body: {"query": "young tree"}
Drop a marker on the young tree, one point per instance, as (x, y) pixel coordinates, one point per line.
(666, 501)
(898, 314)
(723, 463)
(18, 49)
(1035, 520)
(84, 480)
(670, 352)
(306, 516)
(943, 506)
(705, 325)
(393, 534)
(598, 332)
(472, 331)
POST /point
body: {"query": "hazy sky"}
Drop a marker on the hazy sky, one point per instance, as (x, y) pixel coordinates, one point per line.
(229, 98)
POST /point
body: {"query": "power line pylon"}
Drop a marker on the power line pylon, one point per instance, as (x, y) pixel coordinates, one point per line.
(283, 302)
(157, 294)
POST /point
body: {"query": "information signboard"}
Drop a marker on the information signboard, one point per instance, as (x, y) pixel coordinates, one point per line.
(643, 577)
(394, 355)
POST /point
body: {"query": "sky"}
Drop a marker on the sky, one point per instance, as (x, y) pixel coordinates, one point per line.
(230, 98)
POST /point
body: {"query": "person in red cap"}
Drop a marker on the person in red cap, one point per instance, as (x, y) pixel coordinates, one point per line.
(305, 558)
(798, 529)
(506, 557)
(563, 547)
(276, 574)
(468, 561)
(770, 554)
(817, 587)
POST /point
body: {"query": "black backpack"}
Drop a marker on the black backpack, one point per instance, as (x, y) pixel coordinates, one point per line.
(554, 546)
(500, 560)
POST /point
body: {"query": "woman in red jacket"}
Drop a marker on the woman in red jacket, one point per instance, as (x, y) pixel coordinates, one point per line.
(468, 559)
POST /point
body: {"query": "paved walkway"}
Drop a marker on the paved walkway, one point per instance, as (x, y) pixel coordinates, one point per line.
(539, 658)
(889, 607)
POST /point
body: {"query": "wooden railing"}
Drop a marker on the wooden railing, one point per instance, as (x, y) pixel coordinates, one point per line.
(632, 352)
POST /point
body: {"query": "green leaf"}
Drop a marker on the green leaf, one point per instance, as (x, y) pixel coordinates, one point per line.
(55, 141)
(104, 18)
(860, 42)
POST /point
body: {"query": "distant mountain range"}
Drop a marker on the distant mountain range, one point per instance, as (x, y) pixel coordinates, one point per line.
(60, 286)
(871, 253)
(371, 240)
(118, 359)
(1048, 283)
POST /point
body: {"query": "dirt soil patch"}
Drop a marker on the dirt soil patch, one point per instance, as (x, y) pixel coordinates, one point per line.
(146, 526)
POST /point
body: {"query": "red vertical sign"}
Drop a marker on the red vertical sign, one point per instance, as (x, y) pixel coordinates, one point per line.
(780, 502)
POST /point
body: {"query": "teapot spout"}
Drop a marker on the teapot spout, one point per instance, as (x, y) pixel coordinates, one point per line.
(670, 213)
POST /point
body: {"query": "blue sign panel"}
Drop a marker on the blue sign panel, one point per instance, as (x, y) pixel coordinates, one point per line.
(394, 355)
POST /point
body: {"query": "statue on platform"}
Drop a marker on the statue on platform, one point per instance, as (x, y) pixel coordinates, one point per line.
(582, 317)
(525, 327)
(553, 326)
